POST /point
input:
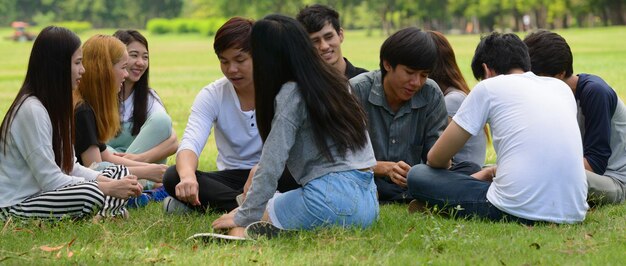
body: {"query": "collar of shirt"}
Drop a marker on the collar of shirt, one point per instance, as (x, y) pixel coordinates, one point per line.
(377, 97)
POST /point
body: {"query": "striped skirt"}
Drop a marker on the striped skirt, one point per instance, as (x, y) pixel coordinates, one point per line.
(73, 201)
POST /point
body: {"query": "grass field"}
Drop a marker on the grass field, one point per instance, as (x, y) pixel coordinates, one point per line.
(182, 64)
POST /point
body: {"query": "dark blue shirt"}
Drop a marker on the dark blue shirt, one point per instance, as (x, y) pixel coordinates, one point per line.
(597, 102)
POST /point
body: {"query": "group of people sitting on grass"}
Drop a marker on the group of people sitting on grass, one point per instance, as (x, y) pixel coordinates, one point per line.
(305, 139)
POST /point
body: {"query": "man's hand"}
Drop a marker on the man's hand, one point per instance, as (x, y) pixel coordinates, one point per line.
(187, 191)
(486, 174)
(398, 172)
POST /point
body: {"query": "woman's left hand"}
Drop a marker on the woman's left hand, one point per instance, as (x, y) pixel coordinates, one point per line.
(226, 221)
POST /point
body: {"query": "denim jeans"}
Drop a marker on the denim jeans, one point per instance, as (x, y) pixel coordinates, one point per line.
(346, 199)
(455, 193)
(390, 192)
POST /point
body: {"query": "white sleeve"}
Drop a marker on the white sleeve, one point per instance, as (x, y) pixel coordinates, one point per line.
(474, 111)
(32, 132)
(87, 173)
(204, 112)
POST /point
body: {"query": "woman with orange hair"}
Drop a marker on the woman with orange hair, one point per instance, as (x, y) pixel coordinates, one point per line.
(39, 177)
(96, 107)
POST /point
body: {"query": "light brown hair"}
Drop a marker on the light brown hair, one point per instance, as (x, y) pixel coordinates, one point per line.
(97, 86)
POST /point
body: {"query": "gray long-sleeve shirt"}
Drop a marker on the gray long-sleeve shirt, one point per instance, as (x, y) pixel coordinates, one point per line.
(291, 142)
(28, 167)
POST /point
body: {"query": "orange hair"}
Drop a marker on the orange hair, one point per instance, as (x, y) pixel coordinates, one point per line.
(97, 86)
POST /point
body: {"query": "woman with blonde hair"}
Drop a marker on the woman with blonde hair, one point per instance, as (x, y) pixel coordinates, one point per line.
(96, 107)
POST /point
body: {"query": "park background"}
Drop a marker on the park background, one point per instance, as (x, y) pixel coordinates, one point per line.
(181, 63)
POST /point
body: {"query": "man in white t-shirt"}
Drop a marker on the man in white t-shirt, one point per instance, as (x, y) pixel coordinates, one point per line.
(540, 174)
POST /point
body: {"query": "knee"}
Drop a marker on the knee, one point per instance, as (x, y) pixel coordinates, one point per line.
(606, 195)
(94, 197)
(160, 120)
(171, 179)
(419, 177)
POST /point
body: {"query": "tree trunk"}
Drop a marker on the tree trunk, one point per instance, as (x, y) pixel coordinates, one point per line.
(517, 18)
(540, 15)
(615, 13)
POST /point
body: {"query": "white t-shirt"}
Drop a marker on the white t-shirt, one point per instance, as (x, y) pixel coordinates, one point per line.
(154, 104)
(540, 173)
(236, 135)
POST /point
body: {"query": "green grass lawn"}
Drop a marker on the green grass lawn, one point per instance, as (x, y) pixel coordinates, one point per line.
(182, 64)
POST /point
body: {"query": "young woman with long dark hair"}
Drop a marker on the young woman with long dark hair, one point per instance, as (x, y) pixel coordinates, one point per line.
(39, 177)
(146, 133)
(311, 123)
(455, 89)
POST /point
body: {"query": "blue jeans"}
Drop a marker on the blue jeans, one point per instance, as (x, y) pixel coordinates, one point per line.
(346, 199)
(455, 193)
(390, 192)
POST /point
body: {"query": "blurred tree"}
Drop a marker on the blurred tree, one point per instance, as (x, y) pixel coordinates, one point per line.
(389, 15)
(7, 12)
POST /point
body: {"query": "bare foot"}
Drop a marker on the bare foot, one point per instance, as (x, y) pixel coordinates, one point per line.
(237, 231)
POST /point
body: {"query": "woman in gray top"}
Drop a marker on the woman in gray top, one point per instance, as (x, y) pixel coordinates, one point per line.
(449, 78)
(309, 122)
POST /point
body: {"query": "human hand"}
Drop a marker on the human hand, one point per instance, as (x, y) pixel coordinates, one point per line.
(155, 171)
(486, 174)
(187, 191)
(139, 188)
(130, 156)
(225, 221)
(123, 188)
(398, 172)
(248, 183)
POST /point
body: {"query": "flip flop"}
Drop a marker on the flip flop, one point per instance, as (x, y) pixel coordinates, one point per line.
(216, 238)
(260, 229)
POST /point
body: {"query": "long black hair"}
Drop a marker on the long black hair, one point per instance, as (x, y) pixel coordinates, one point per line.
(141, 87)
(282, 52)
(49, 78)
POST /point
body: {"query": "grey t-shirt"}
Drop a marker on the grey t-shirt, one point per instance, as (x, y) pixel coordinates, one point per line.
(291, 143)
(475, 148)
